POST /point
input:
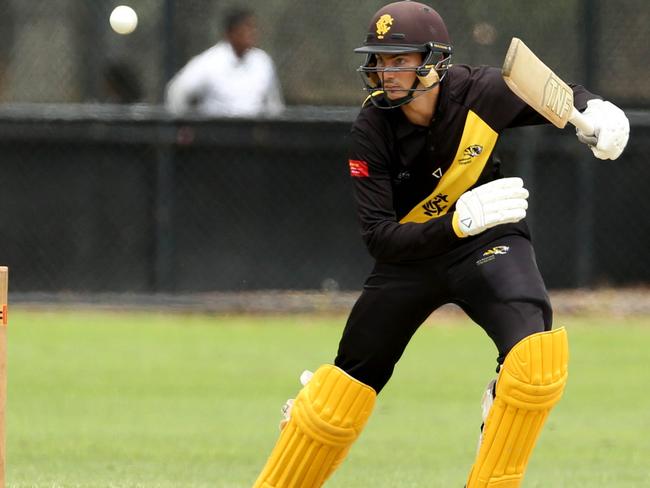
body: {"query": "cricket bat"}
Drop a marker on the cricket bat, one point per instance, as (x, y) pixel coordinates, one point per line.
(537, 85)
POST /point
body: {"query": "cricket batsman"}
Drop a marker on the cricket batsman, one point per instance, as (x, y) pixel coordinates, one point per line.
(444, 226)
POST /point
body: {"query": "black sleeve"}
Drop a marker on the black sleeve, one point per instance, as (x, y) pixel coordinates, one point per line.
(387, 239)
(528, 116)
(581, 96)
(501, 108)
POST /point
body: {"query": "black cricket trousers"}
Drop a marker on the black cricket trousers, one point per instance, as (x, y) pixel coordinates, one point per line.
(497, 284)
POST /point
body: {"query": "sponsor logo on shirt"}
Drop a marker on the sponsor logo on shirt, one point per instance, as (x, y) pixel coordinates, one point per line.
(470, 152)
(492, 253)
(436, 205)
(358, 168)
(402, 177)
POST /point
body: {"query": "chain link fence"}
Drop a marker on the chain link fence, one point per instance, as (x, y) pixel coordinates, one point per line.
(107, 198)
(64, 50)
(128, 199)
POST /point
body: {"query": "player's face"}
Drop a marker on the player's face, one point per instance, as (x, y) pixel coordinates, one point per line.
(396, 84)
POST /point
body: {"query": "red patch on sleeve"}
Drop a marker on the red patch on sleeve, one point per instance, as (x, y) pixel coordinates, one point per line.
(358, 168)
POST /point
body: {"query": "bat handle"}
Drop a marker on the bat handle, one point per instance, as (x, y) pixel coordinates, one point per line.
(581, 122)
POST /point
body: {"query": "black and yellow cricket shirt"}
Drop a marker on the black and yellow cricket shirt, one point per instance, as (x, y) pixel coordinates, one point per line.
(407, 178)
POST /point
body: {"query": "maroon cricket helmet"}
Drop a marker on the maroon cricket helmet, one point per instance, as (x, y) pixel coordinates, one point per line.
(405, 27)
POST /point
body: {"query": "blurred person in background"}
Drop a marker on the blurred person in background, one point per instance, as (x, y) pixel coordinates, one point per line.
(231, 79)
(444, 226)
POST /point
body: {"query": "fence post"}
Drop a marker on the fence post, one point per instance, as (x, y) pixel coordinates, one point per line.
(169, 47)
(526, 152)
(163, 262)
(585, 237)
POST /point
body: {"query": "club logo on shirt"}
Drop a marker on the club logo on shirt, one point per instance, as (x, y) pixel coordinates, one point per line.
(383, 25)
(434, 206)
(358, 168)
(470, 152)
(492, 253)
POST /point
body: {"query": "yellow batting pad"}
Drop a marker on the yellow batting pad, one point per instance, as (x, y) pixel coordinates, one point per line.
(326, 418)
(530, 383)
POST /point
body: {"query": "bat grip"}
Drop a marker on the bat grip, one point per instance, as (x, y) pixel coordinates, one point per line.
(581, 122)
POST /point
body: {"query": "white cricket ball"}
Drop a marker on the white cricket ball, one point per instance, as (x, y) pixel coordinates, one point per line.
(123, 19)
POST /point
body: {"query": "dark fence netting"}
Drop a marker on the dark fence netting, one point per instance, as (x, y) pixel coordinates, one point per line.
(129, 199)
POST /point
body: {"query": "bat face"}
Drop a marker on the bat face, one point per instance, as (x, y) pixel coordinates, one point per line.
(536, 84)
(558, 98)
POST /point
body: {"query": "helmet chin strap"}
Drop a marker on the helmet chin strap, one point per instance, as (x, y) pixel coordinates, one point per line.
(429, 82)
(403, 100)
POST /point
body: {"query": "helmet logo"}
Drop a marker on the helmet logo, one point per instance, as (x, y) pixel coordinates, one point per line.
(383, 25)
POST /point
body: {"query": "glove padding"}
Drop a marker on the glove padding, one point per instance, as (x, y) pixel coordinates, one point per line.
(611, 129)
(498, 202)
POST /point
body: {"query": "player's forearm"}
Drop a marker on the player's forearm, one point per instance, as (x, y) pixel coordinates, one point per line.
(274, 100)
(184, 88)
(176, 97)
(581, 96)
(528, 116)
(390, 241)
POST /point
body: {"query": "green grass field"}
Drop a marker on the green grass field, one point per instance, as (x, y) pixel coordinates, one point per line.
(161, 400)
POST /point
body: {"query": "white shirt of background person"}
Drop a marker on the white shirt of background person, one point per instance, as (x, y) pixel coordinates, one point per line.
(231, 79)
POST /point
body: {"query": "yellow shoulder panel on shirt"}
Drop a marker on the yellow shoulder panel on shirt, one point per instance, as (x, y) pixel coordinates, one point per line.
(476, 145)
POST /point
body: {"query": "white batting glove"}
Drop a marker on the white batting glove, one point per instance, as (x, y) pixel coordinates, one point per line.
(497, 202)
(305, 377)
(611, 129)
